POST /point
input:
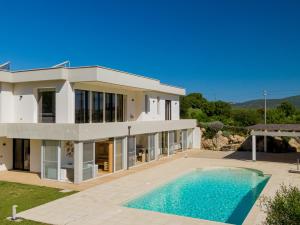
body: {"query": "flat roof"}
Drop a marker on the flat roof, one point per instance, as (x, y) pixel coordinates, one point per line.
(90, 74)
(275, 127)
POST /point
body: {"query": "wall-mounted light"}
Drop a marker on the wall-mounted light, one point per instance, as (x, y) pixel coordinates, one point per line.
(4, 144)
(132, 100)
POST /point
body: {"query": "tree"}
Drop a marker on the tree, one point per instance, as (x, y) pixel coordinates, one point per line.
(245, 117)
(287, 108)
(284, 208)
(193, 100)
(222, 108)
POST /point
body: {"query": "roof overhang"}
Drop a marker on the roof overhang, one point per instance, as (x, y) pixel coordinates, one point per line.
(90, 74)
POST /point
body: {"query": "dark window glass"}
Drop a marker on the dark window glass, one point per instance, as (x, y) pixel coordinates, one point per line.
(82, 106)
(168, 113)
(46, 101)
(110, 109)
(97, 107)
(120, 108)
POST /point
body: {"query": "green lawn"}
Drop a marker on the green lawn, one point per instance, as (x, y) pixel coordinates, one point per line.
(26, 197)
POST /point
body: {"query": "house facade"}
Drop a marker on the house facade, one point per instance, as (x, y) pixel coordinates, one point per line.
(74, 124)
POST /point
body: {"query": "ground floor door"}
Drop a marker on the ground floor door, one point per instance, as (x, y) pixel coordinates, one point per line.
(21, 154)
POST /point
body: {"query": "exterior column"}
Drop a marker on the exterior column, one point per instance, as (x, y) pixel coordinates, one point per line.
(78, 162)
(253, 147)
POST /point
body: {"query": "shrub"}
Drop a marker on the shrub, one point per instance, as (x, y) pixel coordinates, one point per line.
(284, 208)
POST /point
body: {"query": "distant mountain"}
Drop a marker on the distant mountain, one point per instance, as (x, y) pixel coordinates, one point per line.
(271, 103)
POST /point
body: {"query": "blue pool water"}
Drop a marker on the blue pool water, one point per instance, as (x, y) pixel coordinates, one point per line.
(218, 194)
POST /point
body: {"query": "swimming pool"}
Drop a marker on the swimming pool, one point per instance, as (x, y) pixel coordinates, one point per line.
(218, 194)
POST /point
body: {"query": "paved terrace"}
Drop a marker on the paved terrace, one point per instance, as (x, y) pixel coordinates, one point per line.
(102, 204)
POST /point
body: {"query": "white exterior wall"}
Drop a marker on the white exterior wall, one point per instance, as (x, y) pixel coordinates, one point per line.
(6, 154)
(35, 155)
(6, 103)
(157, 109)
(26, 101)
(65, 103)
(197, 138)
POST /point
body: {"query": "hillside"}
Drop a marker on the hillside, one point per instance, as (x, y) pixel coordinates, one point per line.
(271, 103)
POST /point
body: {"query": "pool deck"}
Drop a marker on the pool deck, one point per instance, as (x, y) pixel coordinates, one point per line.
(102, 204)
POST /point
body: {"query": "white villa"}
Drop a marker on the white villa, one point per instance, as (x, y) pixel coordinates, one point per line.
(74, 124)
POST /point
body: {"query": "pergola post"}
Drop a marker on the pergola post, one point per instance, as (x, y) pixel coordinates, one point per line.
(253, 147)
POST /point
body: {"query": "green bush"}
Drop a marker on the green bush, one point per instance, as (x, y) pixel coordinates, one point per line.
(284, 208)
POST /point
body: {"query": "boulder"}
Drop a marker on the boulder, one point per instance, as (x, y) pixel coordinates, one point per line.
(208, 144)
(294, 143)
(220, 141)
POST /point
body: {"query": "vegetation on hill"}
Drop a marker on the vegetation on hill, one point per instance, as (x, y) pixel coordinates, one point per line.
(195, 106)
(272, 103)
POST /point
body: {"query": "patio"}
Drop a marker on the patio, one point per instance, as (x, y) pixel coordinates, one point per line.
(34, 178)
(84, 206)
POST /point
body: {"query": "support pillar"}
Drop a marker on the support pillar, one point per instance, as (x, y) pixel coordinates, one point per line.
(253, 148)
(78, 162)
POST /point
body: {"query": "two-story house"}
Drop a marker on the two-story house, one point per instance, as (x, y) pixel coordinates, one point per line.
(74, 124)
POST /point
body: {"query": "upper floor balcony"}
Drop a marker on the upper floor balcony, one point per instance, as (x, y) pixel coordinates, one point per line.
(92, 131)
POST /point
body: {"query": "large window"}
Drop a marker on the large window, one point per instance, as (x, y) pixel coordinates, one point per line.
(97, 107)
(151, 147)
(119, 162)
(82, 106)
(131, 151)
(46, 102)
(110, 107)
(120, 108)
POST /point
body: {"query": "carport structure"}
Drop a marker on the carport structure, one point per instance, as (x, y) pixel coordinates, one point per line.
(272, 130)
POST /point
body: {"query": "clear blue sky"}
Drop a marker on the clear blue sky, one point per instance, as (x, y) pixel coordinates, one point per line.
(225, 49)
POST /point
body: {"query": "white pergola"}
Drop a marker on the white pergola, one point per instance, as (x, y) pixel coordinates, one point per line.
(272, 130)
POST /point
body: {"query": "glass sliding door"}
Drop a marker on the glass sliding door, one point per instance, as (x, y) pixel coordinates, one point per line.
(110, 107)
(26, 149)
(190, 138)
(171, 142)
(119, 155)
(184, 136)
(163, 143)
(131, 151)
(97, 107)
(151, 147)
(88, 168)
(82, 106)
(46, 105)
(21, 154)
(50, 156)
(120, 108)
